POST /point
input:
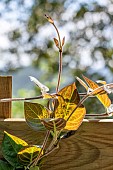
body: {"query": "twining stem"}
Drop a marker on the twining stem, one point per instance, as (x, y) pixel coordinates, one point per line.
(81, 101)
(53, 146)
(110, 85)
(35, 161)
(30, 98)
(92, 93)
(53, 141)
(60, 58)
(60, 71)
(50, 151)
(21, 99)
(60, 45)
(102, 115)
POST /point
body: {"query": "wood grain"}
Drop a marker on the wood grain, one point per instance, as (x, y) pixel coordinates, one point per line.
(90, 148)
(5, 92)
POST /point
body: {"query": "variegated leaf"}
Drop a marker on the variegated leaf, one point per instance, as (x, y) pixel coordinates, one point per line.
(100, 93)
(34, 112)
(68, 99)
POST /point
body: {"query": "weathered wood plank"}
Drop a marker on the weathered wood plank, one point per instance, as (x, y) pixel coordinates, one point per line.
(90, 148)
(5, 92)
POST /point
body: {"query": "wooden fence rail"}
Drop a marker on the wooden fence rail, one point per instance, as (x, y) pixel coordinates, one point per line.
(90, 148)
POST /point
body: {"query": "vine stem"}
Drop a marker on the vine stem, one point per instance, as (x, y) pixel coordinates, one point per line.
(102, 115)
(92, 93)
(60, 71)
(60, 59)
(35, 161)
(110, 85)
(52, 142)
(81, 101)
(53, 145)
(58, 36)
(50, 151)
(21, 99)
(30, 98)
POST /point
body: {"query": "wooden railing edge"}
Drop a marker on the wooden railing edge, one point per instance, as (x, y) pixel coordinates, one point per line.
(84, 120)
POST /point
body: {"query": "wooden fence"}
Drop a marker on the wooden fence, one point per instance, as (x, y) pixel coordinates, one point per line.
(90, 148)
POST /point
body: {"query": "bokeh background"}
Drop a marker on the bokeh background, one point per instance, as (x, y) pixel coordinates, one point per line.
(27, 47)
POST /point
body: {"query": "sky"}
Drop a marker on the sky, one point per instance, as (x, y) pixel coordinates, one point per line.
(10, 21)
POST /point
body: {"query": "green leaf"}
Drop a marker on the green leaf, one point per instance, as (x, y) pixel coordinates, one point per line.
(5, 166)
(68, 99)
(34, 112)
(10, 147)
(28, 154)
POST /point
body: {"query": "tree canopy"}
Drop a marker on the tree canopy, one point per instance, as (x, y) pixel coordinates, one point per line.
(86, 25)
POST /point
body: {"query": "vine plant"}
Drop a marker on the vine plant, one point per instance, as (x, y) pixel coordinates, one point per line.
(64, 113)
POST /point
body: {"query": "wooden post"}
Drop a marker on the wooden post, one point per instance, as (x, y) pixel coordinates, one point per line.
(5, 92)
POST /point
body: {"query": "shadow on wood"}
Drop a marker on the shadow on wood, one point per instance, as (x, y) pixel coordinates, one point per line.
(90, 148)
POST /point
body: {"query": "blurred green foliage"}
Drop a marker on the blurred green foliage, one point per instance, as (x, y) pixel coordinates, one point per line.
(18, 106)
(87, 26)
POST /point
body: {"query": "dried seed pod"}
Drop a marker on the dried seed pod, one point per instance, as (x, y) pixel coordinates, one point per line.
(63, 41)
(56, 42)
(49, 19)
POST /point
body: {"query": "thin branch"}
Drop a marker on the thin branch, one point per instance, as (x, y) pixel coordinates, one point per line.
(50, 151)
(29, 98)
(81, 101)
(60, 58)
(101, 115)
(20, 99)
(58, 36)
(110, 85)
(92, 93)
(35, 161)
(51, 144)
(60, 71)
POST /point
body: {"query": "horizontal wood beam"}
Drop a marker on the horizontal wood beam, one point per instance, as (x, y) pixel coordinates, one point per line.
(90, 148)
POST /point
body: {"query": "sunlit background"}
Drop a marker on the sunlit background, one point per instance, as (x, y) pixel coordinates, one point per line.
(27, 47)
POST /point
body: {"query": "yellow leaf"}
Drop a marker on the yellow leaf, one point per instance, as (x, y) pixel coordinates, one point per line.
(49, 96)
(76, 119)
(100, 93)
(68, 99)
(17, 140)
(82, 83)
(28, 154)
